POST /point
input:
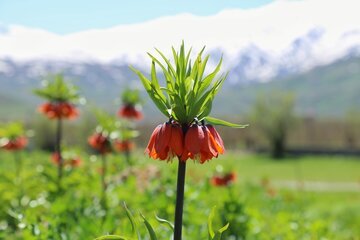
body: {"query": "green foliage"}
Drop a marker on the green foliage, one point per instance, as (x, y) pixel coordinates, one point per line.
(111, 126)
(188, 93)
(57, 89)
(233, 212)
(131, 97)
(107, 124)
(36, 210)
(274, 115)
(215, 235)
(111, 237)
(12, 130)
(220, 122)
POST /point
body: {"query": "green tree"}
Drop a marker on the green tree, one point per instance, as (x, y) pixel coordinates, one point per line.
(273, 115)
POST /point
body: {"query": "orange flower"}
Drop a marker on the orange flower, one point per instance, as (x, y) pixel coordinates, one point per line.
(202, 143)
(15, 144)
(130, 111)
(56, 110)
(166, 142)
(217, 138)
(100, 142)
(124, 146)
(73, 162)
(224, 180)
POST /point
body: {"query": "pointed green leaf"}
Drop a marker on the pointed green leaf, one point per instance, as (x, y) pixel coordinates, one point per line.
(205, 83)
(135, 231)
(153, 94)
(210, 220)
(220, 122)
(167, 62)
(150, 229)
(219, 232)
(166, 222)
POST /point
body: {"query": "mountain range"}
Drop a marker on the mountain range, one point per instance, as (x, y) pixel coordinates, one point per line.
(296, 46)
(325, 91)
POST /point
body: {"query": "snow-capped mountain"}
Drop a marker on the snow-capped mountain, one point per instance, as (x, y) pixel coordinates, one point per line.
(260, 44)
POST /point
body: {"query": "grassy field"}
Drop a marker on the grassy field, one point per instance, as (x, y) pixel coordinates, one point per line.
(256, 206)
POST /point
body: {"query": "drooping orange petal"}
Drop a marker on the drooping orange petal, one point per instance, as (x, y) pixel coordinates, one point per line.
(177, 139)
(205, 156)
(219, 142)
(150, 147)
(164, 154)
(208, 144)
(163, 138)
(185, 155)
(193, 139)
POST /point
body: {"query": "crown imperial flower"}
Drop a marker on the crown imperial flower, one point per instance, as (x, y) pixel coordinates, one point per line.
(130, 111)
(199, 142)
(223, 180)
(15, 144)
(71, 161)
(56, 110)
(187, 101)
(100, 142)
(124, 146)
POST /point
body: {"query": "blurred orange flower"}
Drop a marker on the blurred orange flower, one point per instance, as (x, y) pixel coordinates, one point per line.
(59, 110)
(15, 144)
(100, 142)
(223, 180)
(130, 111)
(73, 162)
(124, 146)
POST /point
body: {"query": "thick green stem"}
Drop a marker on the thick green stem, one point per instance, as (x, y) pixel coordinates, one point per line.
(179, 200)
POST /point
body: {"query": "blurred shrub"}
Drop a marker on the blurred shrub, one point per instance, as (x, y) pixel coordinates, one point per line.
(75, 132)
(273, 115)
(44, 134)
(352, 128)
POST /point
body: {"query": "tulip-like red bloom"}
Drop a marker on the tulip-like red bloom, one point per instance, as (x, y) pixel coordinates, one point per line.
(100, 142)
(202, 143)
(166, 142)
(224, 180)
(129, 111)
(15, 144)
(56, 110)
(124, 146)
(73, 162)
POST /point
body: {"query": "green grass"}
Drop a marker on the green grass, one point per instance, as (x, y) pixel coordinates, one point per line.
(256, 209)
(313, 168)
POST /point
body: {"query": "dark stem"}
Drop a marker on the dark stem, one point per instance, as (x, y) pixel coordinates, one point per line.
(58, 150)
(128, 157)
(179, 200)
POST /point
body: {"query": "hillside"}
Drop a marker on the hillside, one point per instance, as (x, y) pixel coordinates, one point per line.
(326, 91)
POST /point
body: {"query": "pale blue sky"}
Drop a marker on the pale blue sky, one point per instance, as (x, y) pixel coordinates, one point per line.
(67, 16)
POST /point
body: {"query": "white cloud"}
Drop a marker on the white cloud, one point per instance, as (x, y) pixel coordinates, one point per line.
(272, 28)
